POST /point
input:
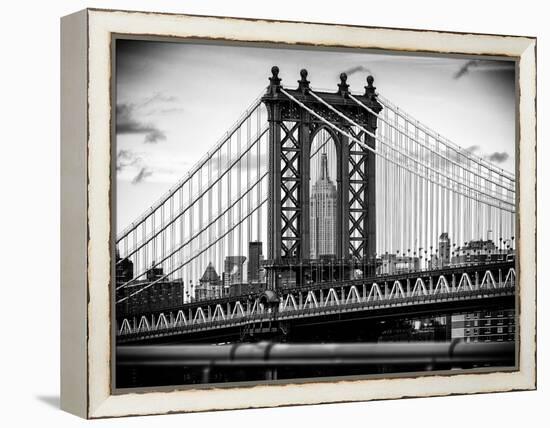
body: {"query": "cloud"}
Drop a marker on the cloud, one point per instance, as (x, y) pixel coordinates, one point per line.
(159, 103)
(159, 97)
(127, 123)
(129, 160)
(132, 167)
(130, 116)
(154, 136)
(126, 158)
(484, 65)
(143, 173)
(135, 118)
(472, 149)
(125, 154)
(498, 157)
(465, 69)
(357, 69)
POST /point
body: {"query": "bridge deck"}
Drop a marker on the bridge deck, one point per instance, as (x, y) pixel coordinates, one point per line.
(431, 292)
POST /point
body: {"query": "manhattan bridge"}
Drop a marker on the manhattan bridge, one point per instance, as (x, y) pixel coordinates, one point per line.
(412, 226)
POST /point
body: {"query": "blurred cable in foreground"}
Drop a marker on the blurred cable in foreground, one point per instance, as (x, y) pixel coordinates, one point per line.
(295, 354)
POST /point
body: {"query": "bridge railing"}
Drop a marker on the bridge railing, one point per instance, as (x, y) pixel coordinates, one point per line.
(314, 302)
(139, 304)
(263, 315)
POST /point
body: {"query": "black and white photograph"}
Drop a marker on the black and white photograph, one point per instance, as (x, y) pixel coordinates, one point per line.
(299, 214)
(241, 214)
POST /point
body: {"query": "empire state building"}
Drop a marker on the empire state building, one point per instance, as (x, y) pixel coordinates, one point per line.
(323, 214)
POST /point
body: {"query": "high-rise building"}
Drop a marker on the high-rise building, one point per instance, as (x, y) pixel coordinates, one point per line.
(233, 270)
(442, 257)
(323, 214)
(254, 256)
(444, 249)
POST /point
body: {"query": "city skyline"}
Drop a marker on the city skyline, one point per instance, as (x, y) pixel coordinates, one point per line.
(209, 284)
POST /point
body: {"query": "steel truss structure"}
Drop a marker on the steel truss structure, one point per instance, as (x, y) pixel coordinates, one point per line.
(326, 299)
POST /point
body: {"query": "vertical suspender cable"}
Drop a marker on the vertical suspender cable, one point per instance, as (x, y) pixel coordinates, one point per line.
(239, 199)
(258, 172)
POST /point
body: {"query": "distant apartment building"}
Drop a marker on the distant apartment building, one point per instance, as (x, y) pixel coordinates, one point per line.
(393, 263)
(481, 251)
(245, 289)
(484, 326)
(420, 329)
(476, 251)
(136, 297)
(124, 269)
(210, 285)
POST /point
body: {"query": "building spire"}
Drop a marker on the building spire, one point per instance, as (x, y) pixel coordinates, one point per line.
(324, 167)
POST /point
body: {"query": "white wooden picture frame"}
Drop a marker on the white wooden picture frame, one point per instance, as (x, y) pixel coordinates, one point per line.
(86, 165)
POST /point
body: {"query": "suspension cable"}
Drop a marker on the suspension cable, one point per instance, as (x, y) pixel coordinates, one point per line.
(192, 202)
(468, 184)
(249, 111)
(389, 105)
(198, 254)
(194, 235)
(386, 144)
(437, 153)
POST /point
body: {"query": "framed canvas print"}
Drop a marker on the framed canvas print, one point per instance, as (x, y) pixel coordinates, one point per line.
(262, 213)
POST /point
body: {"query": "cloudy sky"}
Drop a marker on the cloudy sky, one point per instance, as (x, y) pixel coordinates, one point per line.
(175, 100)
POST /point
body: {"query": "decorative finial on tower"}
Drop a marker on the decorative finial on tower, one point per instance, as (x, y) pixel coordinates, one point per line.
(370, 89)
(303, 83)
(274, 81)
(343, 86)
